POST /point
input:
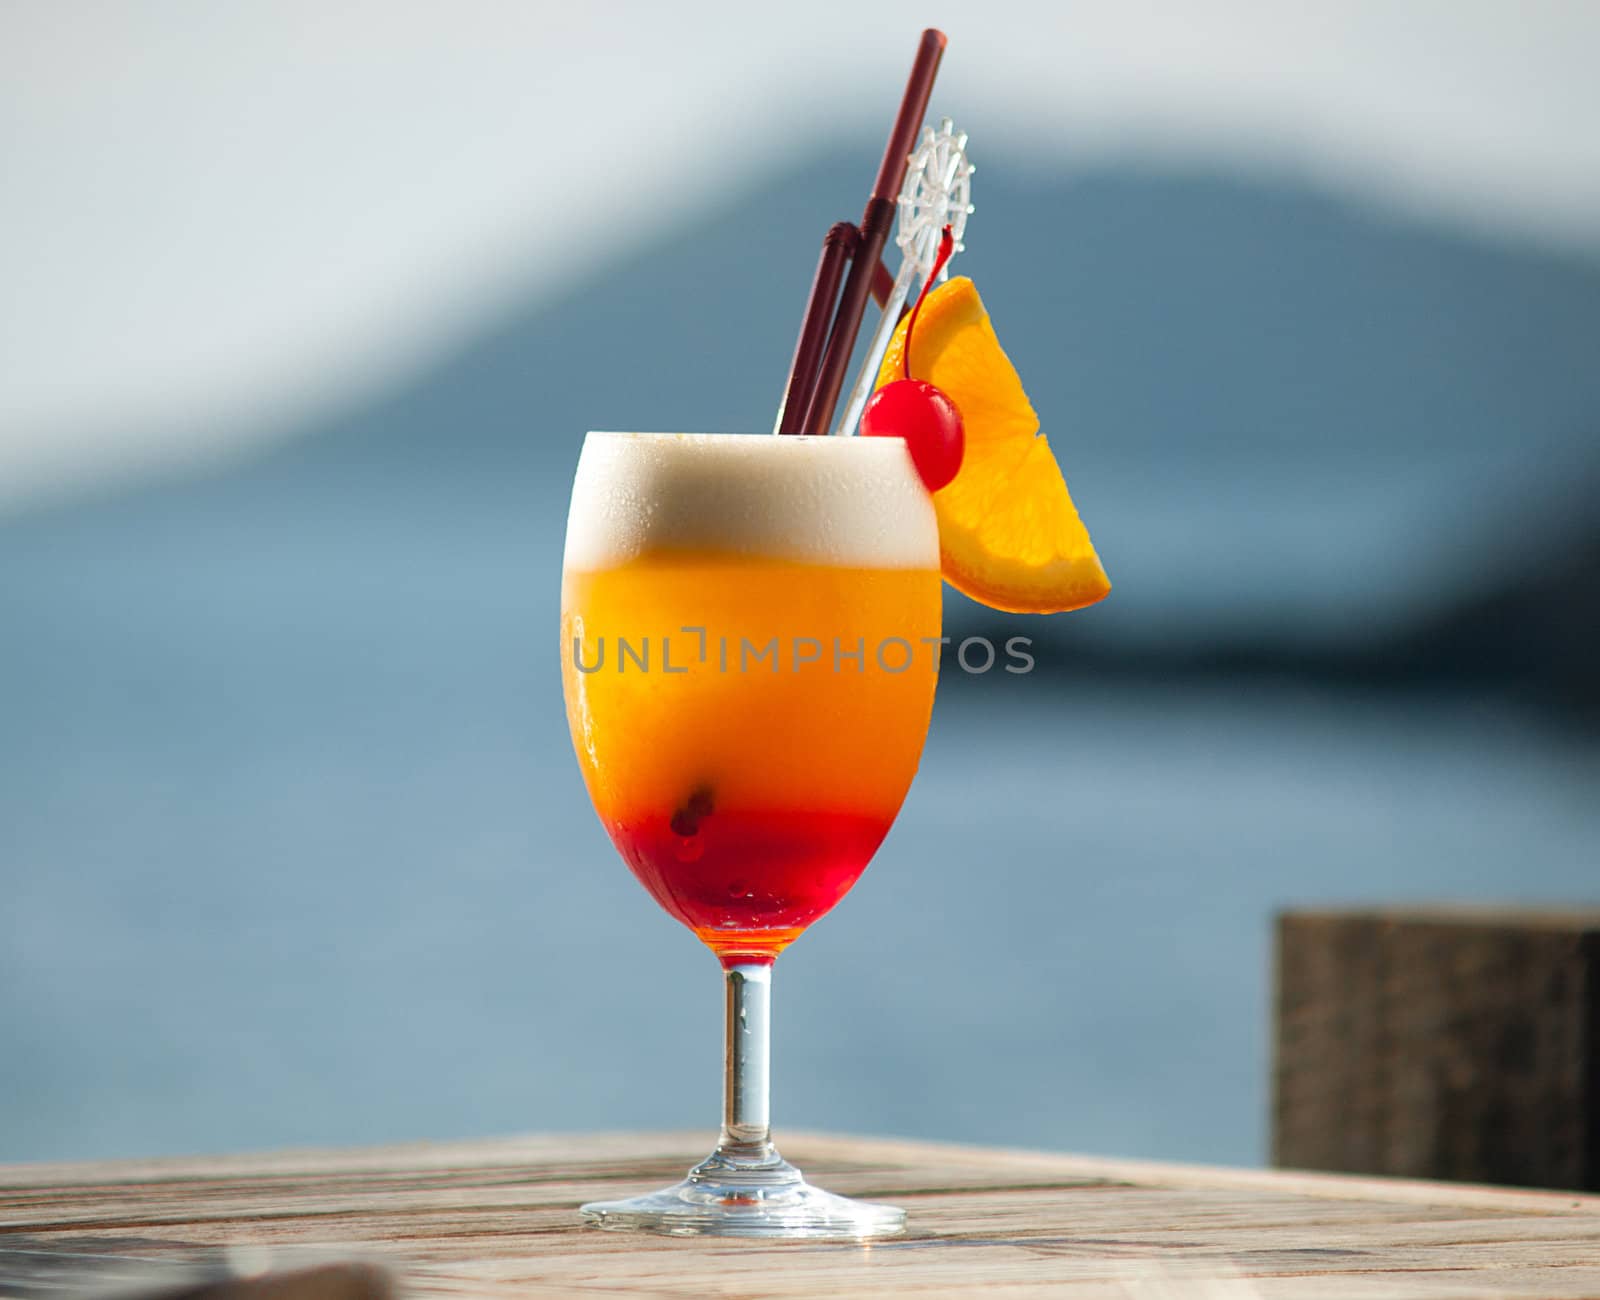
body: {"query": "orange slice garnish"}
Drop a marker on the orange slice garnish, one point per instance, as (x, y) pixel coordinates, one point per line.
(1009, 535)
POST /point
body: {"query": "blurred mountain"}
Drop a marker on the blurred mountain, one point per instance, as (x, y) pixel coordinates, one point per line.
(1290, 423)
(1532, 637)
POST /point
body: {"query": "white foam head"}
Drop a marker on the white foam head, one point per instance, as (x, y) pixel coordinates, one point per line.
(842, 501)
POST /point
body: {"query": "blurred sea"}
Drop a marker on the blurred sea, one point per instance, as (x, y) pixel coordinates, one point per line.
(294, 849)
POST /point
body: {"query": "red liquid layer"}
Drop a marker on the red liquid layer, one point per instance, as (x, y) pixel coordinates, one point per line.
(748, 882)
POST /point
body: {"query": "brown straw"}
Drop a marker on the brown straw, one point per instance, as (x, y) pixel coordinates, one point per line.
(874, 233)
(837, 246)
(882, 284)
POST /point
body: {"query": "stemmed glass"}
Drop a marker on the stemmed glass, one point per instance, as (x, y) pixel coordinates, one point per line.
(749, 644)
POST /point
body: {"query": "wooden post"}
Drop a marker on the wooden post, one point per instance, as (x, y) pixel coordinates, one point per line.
(1440, 1042)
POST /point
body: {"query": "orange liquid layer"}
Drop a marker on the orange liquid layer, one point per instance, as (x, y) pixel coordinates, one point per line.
(748, 773)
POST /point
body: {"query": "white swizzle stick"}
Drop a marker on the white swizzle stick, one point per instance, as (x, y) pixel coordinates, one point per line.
(937, 193)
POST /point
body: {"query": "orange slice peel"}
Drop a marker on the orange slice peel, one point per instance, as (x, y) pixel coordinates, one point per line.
(1009, 535)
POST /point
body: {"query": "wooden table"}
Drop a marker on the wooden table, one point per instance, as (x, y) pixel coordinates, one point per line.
(497, 1218)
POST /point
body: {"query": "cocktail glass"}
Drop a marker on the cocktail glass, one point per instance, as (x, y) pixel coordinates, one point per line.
(749, 641)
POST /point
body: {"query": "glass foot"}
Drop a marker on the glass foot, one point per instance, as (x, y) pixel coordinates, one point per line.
(730, 1198)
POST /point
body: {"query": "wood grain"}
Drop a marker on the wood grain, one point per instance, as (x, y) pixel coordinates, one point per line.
(1459, 1043)
(496, 1218)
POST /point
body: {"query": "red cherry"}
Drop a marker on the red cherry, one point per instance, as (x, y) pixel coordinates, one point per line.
(927, 419)
(915, 410)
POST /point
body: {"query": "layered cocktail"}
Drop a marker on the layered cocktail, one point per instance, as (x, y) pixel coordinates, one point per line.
(750, 631)
(749, 627)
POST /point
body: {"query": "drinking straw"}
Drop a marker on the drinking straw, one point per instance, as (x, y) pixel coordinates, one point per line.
(837, 246)
(876, 220)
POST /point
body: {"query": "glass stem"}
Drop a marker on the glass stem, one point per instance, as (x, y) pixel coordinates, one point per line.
(747, 1059)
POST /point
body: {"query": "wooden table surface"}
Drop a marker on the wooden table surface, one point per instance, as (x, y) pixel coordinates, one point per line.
(497, 1218)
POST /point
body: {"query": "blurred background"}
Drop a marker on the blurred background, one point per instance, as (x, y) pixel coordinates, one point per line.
(306, 309)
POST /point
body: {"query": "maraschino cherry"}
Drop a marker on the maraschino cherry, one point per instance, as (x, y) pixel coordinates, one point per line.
(915, 410)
